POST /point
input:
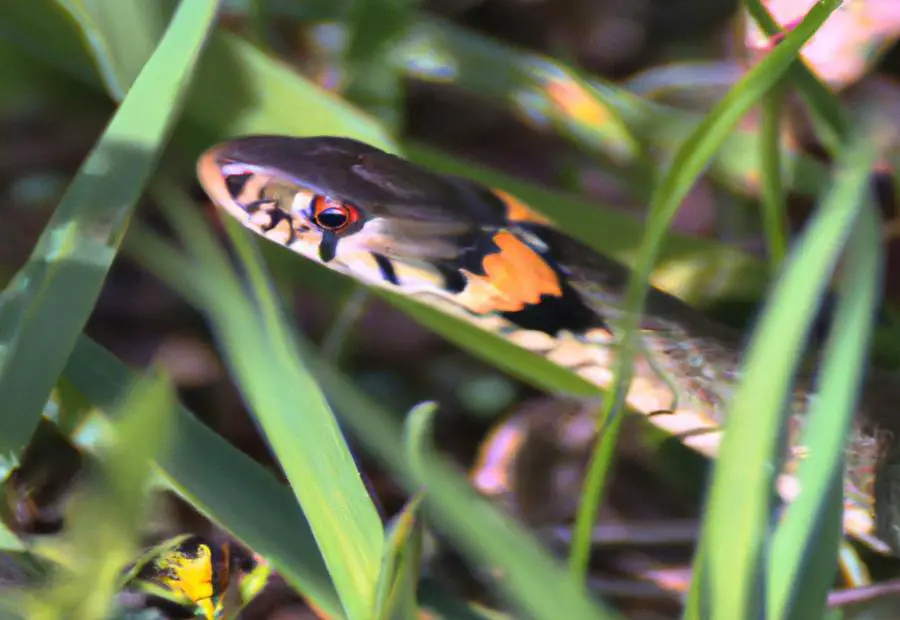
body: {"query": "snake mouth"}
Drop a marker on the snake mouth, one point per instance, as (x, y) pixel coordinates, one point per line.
(240, 188)
(261, 201)
(215, 183)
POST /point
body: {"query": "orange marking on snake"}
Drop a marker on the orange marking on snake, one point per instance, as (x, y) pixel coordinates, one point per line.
(515, 277)
(518, 211)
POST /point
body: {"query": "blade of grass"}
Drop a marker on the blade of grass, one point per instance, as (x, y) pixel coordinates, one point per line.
(60, 283)
(219, 480)
(374, 81)
(292, 412)
(107, 513)
(806, 542)
(121, 35)
(46, 33)
(539, 571)
(238, 89)
(373, 430)
(738, 508)
(8, 540)
(395, 597)
(828, 115)
(549, 587)
(774, 205)
(477, 526)
(440, 51)
(686, 167)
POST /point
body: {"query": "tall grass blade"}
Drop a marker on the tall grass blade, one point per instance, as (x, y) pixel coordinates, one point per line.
(47, 304)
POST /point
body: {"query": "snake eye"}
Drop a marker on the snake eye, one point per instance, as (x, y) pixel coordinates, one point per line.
(333, 215)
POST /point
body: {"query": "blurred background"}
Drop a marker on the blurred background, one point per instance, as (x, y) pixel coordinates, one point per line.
(501, 85)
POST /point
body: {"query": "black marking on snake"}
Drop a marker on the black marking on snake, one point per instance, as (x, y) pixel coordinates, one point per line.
(256, 205)
(553, 314)
(454, 280)
(235, 183)
(386, 267)
(328, 246)
(477, 247)
(276, 216)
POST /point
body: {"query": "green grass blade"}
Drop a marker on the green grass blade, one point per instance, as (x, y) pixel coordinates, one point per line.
(187, 278)
(8, 540)
(687, 166)
(593, 486)
(396, 593)
(440, 51)
(44, 32)
(121, 35)
(107, 512)
(219, 480)
(802, 561)
(774, 203)
(738, 509)
(525, 365)
(521, 557)
(60, 283)
(239, 89)
(292, 412)
(540, 589)
(828, 115)
(373, 78)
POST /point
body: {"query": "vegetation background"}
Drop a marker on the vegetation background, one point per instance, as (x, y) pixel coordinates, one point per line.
(621, 120)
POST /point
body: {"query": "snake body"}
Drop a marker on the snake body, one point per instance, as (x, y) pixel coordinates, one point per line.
(483, 255)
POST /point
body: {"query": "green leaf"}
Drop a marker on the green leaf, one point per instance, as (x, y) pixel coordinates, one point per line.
(61, 281)
(439, 51)
(738, 511)
(8, 540)
(774, 203)
(806, 542)
(686, 167)
(239, 89)
(106, 513)
(257, 346)
(219, 480)
(526, 365)
(395, 597)
(208, 283)
(525, 573)
(373, 75)
(121, 35)
(827, 114)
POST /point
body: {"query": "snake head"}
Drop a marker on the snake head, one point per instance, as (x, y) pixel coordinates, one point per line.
(382, 219)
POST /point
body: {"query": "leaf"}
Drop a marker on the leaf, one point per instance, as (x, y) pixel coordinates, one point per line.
(523, 571)
(750, 452)
(221, 482)
(257, 345)
(806, 542)
(107, 512)
(395, 596)
(62, 279)
(686, 167)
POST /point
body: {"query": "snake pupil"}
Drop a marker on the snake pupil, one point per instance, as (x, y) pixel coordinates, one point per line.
(333, 218)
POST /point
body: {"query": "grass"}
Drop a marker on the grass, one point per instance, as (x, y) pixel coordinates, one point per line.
(179, 87)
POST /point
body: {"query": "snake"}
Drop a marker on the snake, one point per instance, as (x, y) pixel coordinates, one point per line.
(484, 255)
